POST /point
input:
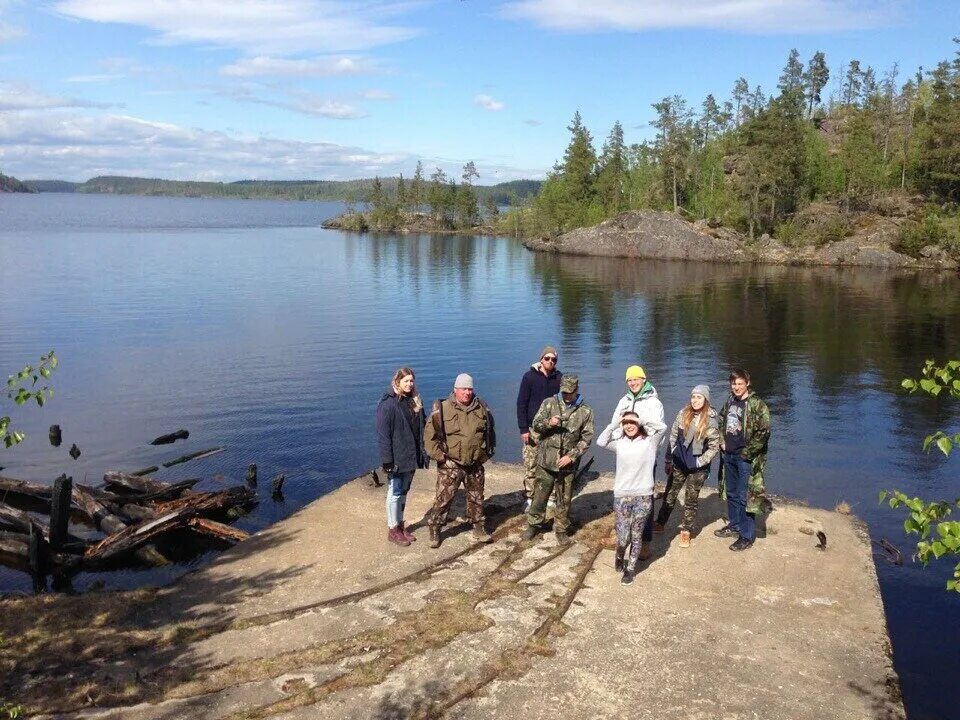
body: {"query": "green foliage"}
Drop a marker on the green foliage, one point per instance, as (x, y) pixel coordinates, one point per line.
(939, 536)
(933, 228)
(22, 388)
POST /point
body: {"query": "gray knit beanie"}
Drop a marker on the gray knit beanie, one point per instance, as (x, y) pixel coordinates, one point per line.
(463, 381)
(702, 390)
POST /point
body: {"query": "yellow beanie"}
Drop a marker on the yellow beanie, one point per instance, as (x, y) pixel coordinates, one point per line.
(635, 371)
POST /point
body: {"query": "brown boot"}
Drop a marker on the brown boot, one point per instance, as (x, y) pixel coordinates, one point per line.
(395, 535)
(406, 533)
(434, 536)
(480, 533)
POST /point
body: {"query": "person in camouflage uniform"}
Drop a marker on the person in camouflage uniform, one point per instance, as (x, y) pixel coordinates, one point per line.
(538, 383)
(460, 436)
(564, 424)
(744, 425)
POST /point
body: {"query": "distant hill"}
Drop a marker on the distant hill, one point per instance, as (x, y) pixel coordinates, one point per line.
(57, 186)
(350, 190)
(12, 185)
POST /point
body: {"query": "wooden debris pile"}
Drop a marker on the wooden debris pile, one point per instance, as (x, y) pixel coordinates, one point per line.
(128, 519)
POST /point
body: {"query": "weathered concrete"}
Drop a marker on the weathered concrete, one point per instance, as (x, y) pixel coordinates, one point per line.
(320, 617)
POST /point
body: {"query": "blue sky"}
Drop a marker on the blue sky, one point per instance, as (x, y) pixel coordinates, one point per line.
(331, 89)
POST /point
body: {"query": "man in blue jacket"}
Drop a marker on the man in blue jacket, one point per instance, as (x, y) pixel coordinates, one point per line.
(541, 381)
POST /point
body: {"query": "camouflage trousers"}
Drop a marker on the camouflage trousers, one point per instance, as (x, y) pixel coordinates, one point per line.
(678, 480)
(631, 513)
(560, 485)
(529, 452)
(449, 477)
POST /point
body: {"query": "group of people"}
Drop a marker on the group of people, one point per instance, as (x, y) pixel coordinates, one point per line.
(556, 429)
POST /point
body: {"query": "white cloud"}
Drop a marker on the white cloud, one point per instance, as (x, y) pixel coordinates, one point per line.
(75, 146)
(377, 94)
(93, 78)
(534, 123)
(756, 16)
(257, 27)
(8, 31)
(300, 101)
(313, 67)
(21, 97)
(488, 103)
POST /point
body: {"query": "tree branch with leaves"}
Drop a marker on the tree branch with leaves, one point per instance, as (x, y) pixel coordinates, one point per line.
(22, 388)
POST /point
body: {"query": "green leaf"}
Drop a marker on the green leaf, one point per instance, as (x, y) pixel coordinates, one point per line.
(883, 496)
(945, 444)
(40, 400)
(927, 441)
(928, 385)
(45, 371)
(938, 549)
(953, 585)
(909, 384)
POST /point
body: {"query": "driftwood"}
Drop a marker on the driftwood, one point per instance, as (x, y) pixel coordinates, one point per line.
(218, 530)
(180, 434)
(16, 546)
(170, 515)
(16, 489)
(112, 524)
(143, 489)
(56, 437)
(146, 471)
(277, 487)
(74, 451)
(11, 517)
(194, 456)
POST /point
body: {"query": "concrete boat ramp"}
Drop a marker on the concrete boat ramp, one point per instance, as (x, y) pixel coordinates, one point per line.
(320, 617)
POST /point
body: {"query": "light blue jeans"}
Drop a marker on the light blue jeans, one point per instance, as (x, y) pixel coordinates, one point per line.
(398, 485)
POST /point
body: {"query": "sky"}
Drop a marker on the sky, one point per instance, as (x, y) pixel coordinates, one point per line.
(341, 89)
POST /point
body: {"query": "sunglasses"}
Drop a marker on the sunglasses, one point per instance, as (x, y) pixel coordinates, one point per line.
(549, 358)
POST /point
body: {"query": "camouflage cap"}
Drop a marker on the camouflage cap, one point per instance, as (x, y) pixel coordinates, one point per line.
(569, 383)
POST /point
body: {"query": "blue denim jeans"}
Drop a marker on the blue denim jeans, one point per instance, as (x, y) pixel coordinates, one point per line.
(736, 474)
(398, 485)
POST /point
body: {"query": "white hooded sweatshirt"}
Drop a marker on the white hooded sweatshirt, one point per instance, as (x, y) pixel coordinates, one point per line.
(636, 458)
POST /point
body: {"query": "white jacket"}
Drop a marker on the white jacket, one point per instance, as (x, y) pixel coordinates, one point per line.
(636, 458)
(646, 405)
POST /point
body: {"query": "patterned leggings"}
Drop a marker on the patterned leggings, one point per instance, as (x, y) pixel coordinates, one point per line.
(631, 512)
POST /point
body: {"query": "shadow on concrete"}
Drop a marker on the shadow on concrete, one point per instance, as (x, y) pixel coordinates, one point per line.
(64, 652)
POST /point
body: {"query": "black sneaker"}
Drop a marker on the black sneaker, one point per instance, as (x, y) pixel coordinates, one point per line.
(741, 544)
(627, 577)
(727, 531)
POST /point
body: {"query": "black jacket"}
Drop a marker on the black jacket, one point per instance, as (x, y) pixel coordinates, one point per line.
(534, 389)
(399, 439)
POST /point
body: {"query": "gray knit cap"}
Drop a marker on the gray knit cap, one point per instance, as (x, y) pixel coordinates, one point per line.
(463, 381)
(702, 390)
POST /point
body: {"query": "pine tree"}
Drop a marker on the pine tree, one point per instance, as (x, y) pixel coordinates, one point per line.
(438, 196)
(416, 197)
(673, 143)
(579, 162)
(467, 210)
(791, 78)
(852, 83)
(938, 162)
(816, 78)
(711, 119)
(612, 171)
(741, 94)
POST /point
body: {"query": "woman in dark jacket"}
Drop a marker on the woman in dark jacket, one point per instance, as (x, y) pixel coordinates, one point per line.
(400, 422)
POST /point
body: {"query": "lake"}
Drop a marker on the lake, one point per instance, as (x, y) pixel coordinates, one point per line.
(255, 329)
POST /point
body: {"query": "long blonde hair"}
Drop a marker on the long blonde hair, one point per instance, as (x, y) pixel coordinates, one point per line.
(686, 419)
(395, 384)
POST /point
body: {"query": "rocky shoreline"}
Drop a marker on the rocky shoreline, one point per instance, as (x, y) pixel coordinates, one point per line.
(651, 234)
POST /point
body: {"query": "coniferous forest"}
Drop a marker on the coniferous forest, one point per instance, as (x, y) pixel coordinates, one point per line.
(794, 162)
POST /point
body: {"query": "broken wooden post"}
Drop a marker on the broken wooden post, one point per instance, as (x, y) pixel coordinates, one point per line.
(252, 475)
(60, 512)
(74, 451)
(56, 437)
(218, 530)
(277, 487)
(38, 554)
(180, 434)
(194, 456)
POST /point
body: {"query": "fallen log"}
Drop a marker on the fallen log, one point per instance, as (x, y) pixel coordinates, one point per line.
(170, 515)
(16, 548)
(130, 512)
(20, 521)
(144, 489)
(112, 524)
(180, 434)
(218, 530)
(194, 456)
(146, 471)
(10, 488)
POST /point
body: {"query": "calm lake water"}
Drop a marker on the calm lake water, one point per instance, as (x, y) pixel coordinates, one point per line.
(249, 325)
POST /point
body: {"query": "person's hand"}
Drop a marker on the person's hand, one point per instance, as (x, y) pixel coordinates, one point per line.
(388, 467)
(525, 438)
(554, 421)
(564, 461)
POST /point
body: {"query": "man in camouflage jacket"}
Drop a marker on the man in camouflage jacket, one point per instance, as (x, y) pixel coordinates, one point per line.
(744, 425)
(564, 424)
